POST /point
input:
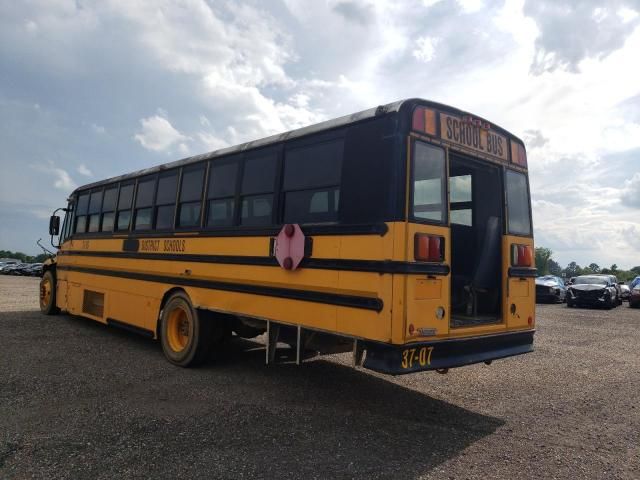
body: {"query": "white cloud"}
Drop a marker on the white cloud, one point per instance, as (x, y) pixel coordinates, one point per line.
(627, 14)
(358, 13)
(158, 134)
(630, 194)
(573, 31)
(183, 149)
(84, 170)
(61, 178)
(211, 142)
(470, 6)
(426, 48)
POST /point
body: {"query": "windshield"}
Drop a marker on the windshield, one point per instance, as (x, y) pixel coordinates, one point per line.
(429, 188)
(590, 280)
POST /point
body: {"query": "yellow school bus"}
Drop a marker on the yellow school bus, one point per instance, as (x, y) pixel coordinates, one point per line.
(401, 233)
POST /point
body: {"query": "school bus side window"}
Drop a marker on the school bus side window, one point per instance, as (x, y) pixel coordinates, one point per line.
(95, 204)
(191, 196)
(223, 176)
(67, 228)
(519, 220)
(144, 203)
(166, 200)
(312, 182)
(429, 188)
(124, 207)
(258, 183)
(81, 213)
(108, 208)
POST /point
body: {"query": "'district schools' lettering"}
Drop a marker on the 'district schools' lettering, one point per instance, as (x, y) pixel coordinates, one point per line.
(149, 245)
(167, 245)
(174, 245)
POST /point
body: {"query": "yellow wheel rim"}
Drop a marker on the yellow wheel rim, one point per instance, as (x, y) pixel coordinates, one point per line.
(178, 329)
(45, 292)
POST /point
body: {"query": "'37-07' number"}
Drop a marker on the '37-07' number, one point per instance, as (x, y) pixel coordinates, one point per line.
(420, 355)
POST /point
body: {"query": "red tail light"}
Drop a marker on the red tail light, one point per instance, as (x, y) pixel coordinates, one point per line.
(521, 255)
(428, 248)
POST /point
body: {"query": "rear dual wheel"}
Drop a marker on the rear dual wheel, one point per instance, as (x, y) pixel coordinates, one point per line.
(188, 335)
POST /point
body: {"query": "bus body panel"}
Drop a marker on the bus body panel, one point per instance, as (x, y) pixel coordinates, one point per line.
(108, 255)
(361, 285)
(425, 294)
(518, 292)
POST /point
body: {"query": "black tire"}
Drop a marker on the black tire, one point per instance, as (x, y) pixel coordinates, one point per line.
(188, 335)
(48, 294)
(610, 303)
(569, 304)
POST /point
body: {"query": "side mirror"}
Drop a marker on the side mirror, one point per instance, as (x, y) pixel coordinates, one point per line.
(54, 225)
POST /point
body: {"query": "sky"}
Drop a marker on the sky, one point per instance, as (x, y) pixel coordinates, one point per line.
(93, 89)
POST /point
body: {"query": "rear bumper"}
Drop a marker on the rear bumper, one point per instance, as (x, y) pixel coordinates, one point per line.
(416, 357)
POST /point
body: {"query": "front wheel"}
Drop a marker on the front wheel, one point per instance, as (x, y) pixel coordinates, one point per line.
(186, 334)
(610, 303)
(48, 294)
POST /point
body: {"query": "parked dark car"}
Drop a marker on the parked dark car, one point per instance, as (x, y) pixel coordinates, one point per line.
(593, 291)
(634, 298)
(550, 288)
(22, 269)
(614, 281)
(15, 269)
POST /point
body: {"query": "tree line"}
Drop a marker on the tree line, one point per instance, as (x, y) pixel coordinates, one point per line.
(23, 257)
(548, 266)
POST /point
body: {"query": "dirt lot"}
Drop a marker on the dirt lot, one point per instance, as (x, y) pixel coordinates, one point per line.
(81, 400)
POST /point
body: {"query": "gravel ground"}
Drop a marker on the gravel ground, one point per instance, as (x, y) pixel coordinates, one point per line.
(81, 400)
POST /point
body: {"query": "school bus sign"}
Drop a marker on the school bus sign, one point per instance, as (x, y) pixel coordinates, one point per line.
(473, 134)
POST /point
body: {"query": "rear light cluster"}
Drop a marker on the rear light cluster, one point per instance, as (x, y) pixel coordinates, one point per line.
(428, 248)
(518, 154)
(521, 256)
(424, 120)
